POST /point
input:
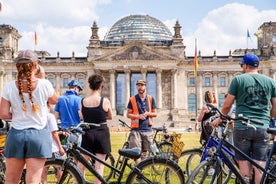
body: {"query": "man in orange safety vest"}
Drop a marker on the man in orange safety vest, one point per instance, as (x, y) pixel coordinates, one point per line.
(141, 109)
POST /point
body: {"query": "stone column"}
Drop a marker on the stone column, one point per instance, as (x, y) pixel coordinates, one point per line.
(159, 89)
(173, 88)
(215, 84)
(199, 95)
(1, 80)
(127, 89)
(57, 82)
(144, 73)
(112, 88)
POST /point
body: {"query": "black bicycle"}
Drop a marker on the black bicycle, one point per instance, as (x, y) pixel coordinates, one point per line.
(168, 170)
(224, 152)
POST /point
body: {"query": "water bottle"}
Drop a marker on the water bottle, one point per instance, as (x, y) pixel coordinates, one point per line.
(154, 149)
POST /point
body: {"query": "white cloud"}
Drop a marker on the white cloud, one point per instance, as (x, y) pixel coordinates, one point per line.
(65, 26)
(225, 29)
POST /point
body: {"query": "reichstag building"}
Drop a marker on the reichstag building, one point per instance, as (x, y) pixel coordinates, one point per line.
(142, 47)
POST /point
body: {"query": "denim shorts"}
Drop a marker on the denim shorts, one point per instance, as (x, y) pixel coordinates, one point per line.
(28, 143)
(253, 143)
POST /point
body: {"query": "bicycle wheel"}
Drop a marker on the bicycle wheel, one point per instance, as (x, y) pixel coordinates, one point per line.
(189, 159)
(58, 172)
(206, 172)
(108, 172)
(168, 172)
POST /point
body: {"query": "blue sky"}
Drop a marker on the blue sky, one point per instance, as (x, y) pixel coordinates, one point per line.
(65, 26)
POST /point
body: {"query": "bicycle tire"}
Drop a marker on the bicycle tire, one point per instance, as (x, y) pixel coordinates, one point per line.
(205, 173)
(169, 172)
(70, 172)
(189, 159)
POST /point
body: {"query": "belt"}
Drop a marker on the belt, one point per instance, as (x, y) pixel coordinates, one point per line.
(103, 124)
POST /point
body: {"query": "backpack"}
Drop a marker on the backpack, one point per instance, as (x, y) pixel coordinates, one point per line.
(206, 128)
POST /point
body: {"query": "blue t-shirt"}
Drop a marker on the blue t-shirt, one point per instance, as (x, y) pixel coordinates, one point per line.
(68, 106)
(142, 106)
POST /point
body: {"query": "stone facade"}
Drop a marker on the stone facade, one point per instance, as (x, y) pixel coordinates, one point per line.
(177, 89)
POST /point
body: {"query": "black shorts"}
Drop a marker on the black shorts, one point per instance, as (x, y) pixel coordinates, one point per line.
(97, 140)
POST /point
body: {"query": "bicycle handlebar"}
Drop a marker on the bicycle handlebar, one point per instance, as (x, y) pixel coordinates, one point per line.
(246, 121)
(124, 123)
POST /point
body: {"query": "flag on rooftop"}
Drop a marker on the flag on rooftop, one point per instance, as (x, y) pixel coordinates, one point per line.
(195, 59)
(248, 35)
(35, 38)
(0, 6)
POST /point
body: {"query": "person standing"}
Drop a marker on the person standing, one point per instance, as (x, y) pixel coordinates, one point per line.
(96, 109)
(67, 110)
(141, 109)
(57, 149)
(204, 115)
(24, 101)
(255, 96)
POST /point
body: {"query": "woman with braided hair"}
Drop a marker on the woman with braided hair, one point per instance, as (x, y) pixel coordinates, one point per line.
(24, 101)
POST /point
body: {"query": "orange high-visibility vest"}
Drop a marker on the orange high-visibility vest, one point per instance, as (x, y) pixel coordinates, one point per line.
(135, 121)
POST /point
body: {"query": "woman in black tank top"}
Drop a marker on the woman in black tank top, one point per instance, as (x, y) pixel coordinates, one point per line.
(96, 109)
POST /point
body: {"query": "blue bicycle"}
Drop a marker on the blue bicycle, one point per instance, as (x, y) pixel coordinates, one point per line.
(221, 154)
(191, 158)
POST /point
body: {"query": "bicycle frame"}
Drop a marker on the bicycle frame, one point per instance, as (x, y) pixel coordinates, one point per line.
(214, 142)
(76, 152)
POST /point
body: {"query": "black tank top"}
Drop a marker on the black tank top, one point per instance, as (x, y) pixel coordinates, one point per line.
(93, 114)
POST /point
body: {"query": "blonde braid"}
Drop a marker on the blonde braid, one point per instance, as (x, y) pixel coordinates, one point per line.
(29, 67)
(20, 70)
(26, 68)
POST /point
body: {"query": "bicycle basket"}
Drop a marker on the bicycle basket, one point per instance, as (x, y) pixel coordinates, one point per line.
(177, 145)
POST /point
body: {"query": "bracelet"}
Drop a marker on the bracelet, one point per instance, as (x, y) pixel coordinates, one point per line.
(37, 70)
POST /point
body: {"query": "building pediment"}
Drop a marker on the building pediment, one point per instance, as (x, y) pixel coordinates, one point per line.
(135, 53)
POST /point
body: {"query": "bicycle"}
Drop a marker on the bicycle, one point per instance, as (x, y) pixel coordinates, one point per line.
(169, 171)
(221, 153)
(189, 159)
(162, 141)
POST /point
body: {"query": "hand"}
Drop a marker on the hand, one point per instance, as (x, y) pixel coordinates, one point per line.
(216, 122)
(142, 116)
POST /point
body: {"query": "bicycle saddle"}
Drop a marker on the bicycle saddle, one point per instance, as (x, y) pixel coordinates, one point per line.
(133, 153)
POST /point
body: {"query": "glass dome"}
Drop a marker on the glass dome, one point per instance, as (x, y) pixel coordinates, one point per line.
(138, 27)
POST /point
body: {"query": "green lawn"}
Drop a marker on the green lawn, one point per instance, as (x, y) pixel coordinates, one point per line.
(190, 139)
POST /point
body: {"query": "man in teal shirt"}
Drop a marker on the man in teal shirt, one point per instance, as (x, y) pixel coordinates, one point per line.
(255, 96)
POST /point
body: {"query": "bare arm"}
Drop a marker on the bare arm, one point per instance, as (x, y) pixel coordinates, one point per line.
(5, 109)
(56, 139)
(228, 102)
(273, 108)
(204, 110)
(107, 108)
